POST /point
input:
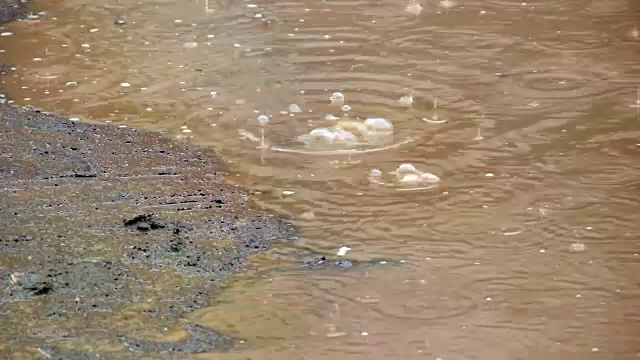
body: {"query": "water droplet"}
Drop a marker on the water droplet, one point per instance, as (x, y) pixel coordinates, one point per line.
(578, 247)
(337, 98)
(263, 119)
(406, 100)
(293, 108)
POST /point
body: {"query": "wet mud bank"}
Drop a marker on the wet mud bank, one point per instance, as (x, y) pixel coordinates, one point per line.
(108, 236)
(100, 220)
(101, 225)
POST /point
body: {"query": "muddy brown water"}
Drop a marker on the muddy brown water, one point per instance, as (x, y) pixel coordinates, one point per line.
(529, 248)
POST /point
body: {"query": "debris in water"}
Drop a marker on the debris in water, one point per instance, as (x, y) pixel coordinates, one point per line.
(186, 130)
(85, 45)
(125, 84)
(120, 22)
(293, 108)
(288, 193)
(345, 108)
(94, 30)
(343, 250)
(489, 175)
(190, 45)
(7, 33)
(330, 117)
(364, 333)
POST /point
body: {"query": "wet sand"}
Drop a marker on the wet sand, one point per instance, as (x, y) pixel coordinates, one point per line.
(101, 222)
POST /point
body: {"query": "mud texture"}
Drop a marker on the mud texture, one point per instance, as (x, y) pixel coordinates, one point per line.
(109, 234)
(11, 10)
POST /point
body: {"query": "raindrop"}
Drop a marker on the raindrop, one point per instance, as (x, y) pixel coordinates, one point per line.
(263, 120)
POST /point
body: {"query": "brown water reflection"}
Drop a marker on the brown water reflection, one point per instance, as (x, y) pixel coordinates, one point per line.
(540, 153)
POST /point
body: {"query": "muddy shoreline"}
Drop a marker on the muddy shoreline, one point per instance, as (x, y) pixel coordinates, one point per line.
(109, 235)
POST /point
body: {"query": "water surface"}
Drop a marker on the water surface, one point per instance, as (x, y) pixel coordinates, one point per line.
(527, 249)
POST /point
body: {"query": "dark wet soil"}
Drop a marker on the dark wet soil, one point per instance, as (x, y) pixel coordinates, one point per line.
(93, 217)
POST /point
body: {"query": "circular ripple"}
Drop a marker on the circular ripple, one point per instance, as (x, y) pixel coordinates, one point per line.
(555, 82)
